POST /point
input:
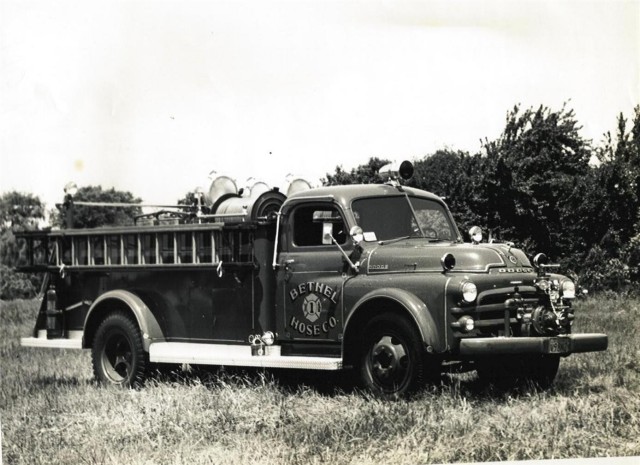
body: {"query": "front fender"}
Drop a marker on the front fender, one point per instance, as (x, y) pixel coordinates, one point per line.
(414, 307)
(147, 322)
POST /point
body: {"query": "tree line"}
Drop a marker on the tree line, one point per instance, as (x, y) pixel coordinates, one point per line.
(540, 184)
(26, 212)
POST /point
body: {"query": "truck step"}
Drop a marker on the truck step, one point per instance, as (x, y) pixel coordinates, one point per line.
(236, 355)
(73, 341)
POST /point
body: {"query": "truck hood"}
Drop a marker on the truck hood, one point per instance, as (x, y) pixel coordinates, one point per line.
(414, 255)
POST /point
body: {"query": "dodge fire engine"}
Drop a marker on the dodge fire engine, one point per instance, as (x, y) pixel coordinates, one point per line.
(374, 279)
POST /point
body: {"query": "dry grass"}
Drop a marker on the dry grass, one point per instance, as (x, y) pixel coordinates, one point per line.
(53, 412)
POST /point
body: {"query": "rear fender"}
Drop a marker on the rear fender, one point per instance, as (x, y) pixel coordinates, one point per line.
(128, 301)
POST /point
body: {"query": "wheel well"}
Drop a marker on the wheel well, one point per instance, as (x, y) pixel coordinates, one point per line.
(366, 312)
(99, 313)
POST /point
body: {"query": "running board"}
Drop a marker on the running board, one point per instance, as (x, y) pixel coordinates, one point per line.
(74, 341)
(235, 355)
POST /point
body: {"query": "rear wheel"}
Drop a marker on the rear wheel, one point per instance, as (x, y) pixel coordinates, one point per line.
(392, 361)
(118, 354)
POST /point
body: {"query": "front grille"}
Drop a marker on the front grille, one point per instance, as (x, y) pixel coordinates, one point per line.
(490, 313)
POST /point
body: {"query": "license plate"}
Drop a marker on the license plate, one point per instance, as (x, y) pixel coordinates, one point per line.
(559, 345)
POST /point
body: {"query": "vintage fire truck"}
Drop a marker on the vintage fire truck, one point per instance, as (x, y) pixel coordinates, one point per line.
(373, 279)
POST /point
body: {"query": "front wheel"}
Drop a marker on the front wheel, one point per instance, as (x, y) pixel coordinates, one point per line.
(117, 354)
(392, 361)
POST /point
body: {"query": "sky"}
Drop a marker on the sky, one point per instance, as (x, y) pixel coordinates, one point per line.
(152, 97)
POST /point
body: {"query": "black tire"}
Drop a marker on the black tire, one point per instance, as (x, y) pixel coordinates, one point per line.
(543, 370)
(392, 359)
(117, 354)
(507, 372)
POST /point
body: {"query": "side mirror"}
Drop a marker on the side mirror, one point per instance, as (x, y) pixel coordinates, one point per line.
(328, 236)
(327, 233)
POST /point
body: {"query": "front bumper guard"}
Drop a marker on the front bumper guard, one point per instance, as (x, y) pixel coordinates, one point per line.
(562, 345)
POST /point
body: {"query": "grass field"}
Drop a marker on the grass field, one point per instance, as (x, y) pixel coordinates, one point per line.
(53, 412)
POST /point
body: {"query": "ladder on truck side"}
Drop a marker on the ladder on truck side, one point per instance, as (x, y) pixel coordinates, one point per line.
(225, 247)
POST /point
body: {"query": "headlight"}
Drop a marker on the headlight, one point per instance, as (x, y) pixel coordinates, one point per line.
(568, 290)
(543, 285)
(469, 291)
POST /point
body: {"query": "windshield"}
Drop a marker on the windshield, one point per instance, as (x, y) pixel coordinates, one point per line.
(391, 218)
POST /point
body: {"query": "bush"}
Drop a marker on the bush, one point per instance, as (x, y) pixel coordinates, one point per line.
(15, 285)
(602, 271)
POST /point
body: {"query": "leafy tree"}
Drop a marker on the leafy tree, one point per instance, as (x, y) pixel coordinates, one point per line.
(190, 200)
(18, 212)
(609, 211)
(92, 216)
(534, 185)
(363, 174)
(15, 285)
(531, 172)
(618, 179)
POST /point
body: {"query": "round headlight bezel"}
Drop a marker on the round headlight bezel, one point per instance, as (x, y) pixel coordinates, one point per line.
(466, 324)
(469, 291)
(544, 285)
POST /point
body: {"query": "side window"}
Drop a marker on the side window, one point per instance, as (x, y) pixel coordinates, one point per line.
(310, 225)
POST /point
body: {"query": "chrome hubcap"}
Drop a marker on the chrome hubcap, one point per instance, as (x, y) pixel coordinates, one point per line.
(117, 358)
(389, 361)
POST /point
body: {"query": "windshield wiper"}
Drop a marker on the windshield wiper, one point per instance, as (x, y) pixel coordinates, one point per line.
(398, 239)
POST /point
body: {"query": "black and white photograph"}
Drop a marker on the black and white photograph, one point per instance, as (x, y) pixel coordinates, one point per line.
(320, 232)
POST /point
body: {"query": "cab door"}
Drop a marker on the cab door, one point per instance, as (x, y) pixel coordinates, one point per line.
(311, 274)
